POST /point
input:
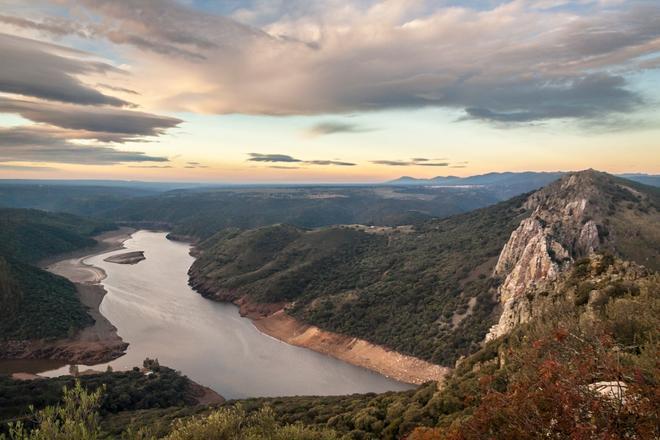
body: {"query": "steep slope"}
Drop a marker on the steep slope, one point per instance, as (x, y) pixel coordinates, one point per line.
(30, 235)
(581, 213)
(36, 303)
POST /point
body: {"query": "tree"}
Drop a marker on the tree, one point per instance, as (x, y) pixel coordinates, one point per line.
(76, 418)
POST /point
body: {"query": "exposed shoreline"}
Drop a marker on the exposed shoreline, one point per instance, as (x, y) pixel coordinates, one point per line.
(352, 350)
(98, 343)
(272, 320)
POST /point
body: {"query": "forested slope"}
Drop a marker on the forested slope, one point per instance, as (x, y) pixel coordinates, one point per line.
(425, 291)
(35, 303)
(432, 291)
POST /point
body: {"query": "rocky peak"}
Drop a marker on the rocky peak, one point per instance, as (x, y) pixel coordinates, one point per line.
(569, 219)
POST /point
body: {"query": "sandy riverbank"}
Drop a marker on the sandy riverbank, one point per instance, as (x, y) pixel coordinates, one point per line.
(272, 320)
(348, 349)
(95, 344)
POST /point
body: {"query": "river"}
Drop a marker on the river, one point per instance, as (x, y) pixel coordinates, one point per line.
(160, 316)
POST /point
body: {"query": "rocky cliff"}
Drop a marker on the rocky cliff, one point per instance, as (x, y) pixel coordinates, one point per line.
(578, 215)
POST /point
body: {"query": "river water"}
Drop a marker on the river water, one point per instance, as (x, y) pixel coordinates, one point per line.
(160, 316)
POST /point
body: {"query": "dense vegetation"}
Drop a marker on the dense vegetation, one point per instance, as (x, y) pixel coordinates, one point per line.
(200, 214)
(30, 235)
(369, 283)
(37, 304)
(78, 417)
(632, 219)
(122, 391)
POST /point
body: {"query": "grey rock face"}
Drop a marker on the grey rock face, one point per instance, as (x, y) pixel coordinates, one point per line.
(564, 225)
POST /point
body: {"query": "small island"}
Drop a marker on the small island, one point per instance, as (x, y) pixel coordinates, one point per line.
(126, 258)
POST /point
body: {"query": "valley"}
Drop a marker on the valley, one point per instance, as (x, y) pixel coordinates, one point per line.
(265, 316)
(159, 316)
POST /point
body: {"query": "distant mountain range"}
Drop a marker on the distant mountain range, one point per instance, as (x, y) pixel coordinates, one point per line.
(531, 179)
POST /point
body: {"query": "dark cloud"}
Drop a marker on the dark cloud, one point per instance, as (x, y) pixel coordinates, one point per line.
(392, 163)
(258, 157)
(112, 124)
(117, 89)
(35, 144)
(193, 164)
(431, 164)
(330, 162)
(324, 128)
(40, 70)
(589, 96)
(280, 167)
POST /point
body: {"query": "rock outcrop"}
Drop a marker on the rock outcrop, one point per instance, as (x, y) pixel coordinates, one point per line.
(570, 219)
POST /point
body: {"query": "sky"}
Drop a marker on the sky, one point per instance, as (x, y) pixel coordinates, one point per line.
(260, 91)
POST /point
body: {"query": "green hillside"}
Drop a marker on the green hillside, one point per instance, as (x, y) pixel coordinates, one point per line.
(370, 282)
(30, 235)
(36, 303)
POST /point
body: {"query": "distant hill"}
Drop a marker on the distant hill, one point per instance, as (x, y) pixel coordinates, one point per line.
(202, 213)
(506, 178)
(510, 183)
(646, 179)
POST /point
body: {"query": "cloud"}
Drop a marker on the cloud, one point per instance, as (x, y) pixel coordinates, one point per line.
(53, 26)
(7, 167)
(330, 162)
(280, 167)
(48, 71)
(507, 62)
(111, 124)
(193, 164)
(150, 166)
(511, 62)
(37, 144)
(258, 157)
(324, 128)
(117, 89)
(431, 164)
(392, 163)
(417, 161)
